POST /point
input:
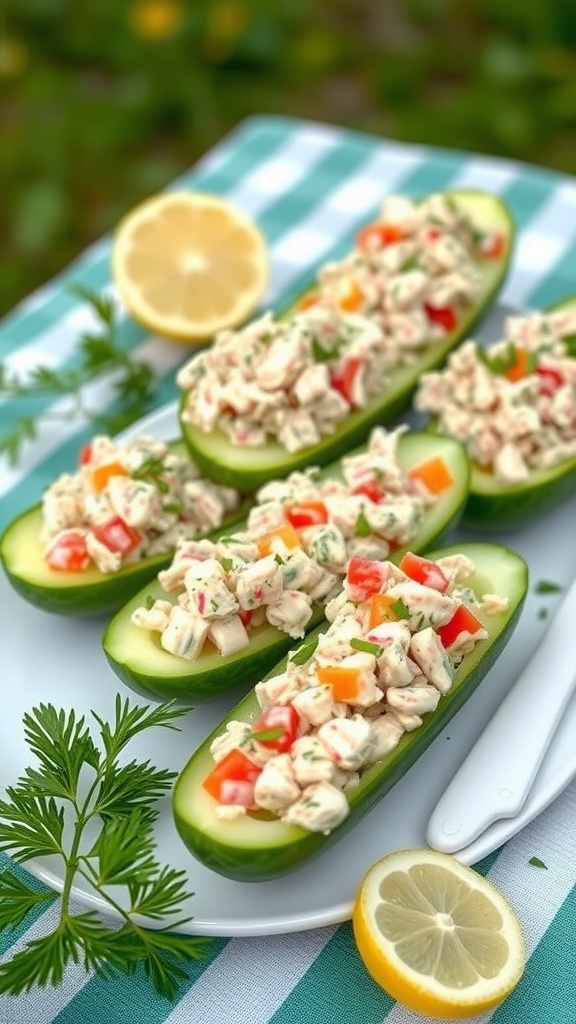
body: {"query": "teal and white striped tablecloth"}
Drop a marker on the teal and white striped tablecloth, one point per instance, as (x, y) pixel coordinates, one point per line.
(308, 186)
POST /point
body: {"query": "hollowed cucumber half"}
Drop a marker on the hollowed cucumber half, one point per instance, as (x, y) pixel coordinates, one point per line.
(496, 506)
(247, 468)
(89, 592)
(259, 847)
(138, 659)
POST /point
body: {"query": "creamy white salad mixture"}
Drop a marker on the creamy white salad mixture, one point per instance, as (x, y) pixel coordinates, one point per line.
(513, 404)
(294, 552)
(128, 501)
(369, 680)
(406, 283)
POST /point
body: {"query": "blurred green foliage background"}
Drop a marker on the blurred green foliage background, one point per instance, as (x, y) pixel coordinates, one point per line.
(105, 101)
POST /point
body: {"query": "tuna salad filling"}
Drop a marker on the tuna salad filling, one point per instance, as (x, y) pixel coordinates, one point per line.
(395, 639)
(294, 379)
(512, 404)
(299, 540)
(127, 501)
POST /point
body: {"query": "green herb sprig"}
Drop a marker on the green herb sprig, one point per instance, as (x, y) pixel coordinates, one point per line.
(134, 383)
(96, 813)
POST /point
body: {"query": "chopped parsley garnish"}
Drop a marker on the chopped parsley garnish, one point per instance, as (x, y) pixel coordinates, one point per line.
(547, 587)
(367, 646)
(303, 653)
(537, 863)
(400, 610)
(362, 527)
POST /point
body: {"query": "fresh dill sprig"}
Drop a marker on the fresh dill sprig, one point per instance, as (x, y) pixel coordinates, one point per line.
(134, 382)
(96, 813)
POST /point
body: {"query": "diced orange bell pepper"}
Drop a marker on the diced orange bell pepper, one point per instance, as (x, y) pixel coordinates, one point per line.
(434, 474)
(102, 474)
(285, 533)
(351, 297)
(520, 367)
(345, 682)
(380, 609)
(309, 300)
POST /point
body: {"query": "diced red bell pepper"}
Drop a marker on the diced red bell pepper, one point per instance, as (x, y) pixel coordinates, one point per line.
(462, 621)
(364, 577)
(68, 553)
(493, 246)
(344, 379)
(309, 513)
(443, 315)
(371, 489)
(309, 300)
(550, 380)
(376, 236)
(85, 456)
(246, 615)
(424, 570)
(117, 536)
(278, 716)
(232, 780)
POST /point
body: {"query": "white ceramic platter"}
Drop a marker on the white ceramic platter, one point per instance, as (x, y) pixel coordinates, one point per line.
(53, 659)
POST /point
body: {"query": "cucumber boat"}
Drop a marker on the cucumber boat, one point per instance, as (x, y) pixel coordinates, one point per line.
(257, 845)
(247, 467)
(494, 504)
(138, 659)
(85, 592)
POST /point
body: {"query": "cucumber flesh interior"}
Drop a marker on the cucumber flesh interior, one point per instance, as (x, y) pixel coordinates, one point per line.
(259, 847)
(250, 467)
(138, 659)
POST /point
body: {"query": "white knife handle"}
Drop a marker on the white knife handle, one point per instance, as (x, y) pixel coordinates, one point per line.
(495, 779)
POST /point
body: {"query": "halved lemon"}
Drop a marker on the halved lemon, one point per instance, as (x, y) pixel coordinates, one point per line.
(188, 264)
(436, 935)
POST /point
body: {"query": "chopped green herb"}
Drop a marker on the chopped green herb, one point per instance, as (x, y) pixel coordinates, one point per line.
(400, 610)
(303, 653)
(547, 587)
(362, 527)
(537, 863)
(366, 646)
(150, 601)
(264, 735)
(321, 354)
(543, 613)
(227, 563)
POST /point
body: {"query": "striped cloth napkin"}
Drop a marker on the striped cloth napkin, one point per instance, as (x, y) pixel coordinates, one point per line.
(309, 186)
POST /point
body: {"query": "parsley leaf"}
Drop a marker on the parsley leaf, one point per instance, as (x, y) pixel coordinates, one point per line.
(133, 383)
(96, 813)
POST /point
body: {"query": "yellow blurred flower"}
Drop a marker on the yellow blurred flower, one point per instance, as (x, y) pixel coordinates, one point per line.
(14, 58)
(156, 19)
(225, 23)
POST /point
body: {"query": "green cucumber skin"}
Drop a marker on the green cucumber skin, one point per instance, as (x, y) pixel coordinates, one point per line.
(271, 859)
(219, 459)
(130, 652)
(76, 594)
(491, 506)
(511, 507)
(200, 683)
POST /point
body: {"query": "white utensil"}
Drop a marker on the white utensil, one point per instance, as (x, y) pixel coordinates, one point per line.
(494, 780)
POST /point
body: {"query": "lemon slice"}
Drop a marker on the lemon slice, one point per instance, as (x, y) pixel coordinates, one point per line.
(188, 264)
(437, 936)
